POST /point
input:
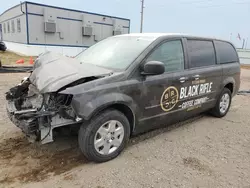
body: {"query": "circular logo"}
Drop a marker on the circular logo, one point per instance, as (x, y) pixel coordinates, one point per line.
(169, 98)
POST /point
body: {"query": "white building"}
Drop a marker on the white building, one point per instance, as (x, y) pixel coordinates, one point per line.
(31, 28)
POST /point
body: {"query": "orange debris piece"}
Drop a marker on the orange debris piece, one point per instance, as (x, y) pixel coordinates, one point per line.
(20, 61)
(31, 61)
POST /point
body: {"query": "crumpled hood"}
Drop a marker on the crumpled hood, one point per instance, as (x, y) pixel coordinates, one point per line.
(53, 71)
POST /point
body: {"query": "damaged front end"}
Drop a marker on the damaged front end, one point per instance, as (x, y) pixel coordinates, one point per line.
(37, 114)
(36, 104)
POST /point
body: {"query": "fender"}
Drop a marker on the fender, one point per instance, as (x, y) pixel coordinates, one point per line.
(87, 110)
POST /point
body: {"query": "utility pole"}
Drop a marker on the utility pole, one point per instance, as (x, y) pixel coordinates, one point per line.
(142, 12)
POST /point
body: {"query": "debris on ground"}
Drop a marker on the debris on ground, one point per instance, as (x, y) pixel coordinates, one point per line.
(243, 92)
(17, 69)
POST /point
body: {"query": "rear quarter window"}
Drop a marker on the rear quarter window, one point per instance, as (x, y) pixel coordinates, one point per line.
(226, 53)
(201, 53)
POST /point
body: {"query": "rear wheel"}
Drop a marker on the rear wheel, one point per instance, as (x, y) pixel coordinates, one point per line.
(105, 136)
(223, 104)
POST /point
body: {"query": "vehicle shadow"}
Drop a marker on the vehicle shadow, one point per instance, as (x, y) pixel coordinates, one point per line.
(156, 132)
(34, 162)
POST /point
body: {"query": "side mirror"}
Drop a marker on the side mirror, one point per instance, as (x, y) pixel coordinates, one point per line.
(153, 68)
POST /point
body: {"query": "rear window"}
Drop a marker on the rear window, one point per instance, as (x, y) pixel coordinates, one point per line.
(226, 53)
(201, 53)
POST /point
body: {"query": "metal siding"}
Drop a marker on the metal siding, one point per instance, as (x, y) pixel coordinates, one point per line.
(70, 23)
(13, 14)
(244, 56)
(36, 32)
(106, 31)
(35, 9)
(61, 8)
(125, 30)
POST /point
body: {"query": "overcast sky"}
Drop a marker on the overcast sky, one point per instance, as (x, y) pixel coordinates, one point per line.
(216, 18)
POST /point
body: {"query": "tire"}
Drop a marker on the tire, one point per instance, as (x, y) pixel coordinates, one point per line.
(217, 111)
(3, 47)
(89, 133)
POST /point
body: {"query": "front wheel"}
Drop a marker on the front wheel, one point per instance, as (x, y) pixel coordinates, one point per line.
(105, 136)
(223, 104)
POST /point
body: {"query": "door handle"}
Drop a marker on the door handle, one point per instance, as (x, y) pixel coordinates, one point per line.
(183, 79)
(196, 77)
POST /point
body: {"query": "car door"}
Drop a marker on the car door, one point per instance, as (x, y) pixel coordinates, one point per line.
(160, 102)
(205, 75)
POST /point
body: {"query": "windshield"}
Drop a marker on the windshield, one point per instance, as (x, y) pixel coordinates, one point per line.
(115, 52)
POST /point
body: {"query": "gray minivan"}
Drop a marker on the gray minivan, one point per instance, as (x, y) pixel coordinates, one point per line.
(125, 85)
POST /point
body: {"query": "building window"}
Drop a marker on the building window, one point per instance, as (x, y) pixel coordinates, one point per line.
(18, 23)
(12, 26)
(8, 27)
(4, 28)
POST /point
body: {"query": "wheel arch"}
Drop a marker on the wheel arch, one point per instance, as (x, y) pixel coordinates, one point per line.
(230, 84)
(121, 107)
(121, 102)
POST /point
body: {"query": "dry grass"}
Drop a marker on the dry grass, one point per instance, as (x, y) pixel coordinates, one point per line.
(245, 66)
(10, 58)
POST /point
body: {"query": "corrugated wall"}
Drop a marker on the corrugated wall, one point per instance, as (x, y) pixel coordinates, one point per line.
(244, 56)
(10, 21)
(69, 26)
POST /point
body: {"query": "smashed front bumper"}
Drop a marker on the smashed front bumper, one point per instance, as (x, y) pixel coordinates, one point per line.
(28, 126)
(27, 120)
(38, 114)
(37, 125)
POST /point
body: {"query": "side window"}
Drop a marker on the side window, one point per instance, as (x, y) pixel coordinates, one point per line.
(8, 27)
(12, 26)
(201, 53)
(226, 53)
(18, 23)
(171, 54)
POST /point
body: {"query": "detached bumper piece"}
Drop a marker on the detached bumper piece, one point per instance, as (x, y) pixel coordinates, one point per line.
(29, 126)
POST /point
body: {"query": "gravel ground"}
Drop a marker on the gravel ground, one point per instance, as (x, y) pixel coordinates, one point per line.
(202, 152)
